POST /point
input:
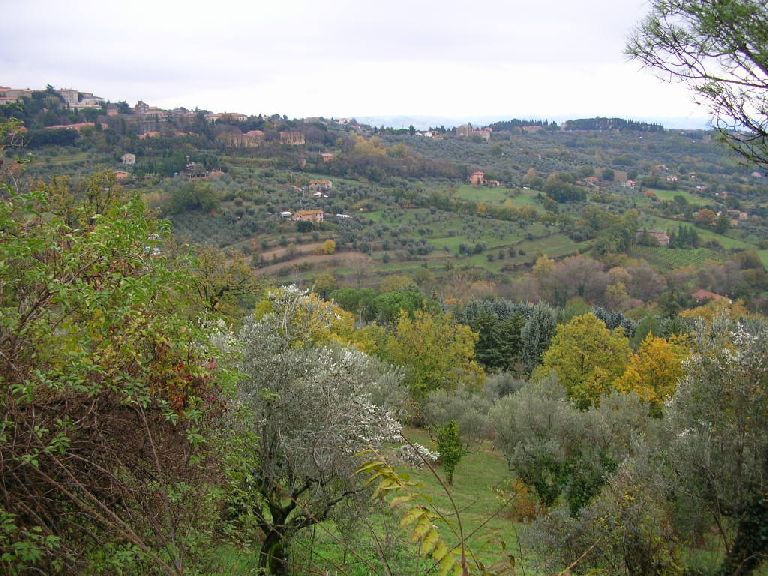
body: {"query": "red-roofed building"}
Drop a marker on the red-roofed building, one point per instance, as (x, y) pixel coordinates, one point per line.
(705, 295)
(477, 178)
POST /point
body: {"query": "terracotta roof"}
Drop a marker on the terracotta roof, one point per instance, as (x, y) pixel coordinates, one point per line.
(702, 294)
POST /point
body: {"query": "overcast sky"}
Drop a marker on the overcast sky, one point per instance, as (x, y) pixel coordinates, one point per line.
(344, 58)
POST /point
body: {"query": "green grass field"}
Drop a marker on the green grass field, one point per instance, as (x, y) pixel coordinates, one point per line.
(483, 516)
(521, 198)
(499, 196)
(489, 240)
(482, 194)
(666, 258)
(553, 246)
(764, 257)
(477, 499)
(692, 199)
(490, 533)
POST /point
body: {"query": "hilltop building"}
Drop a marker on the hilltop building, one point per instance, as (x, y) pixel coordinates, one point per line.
(477, 178)
(12, 95)
(309, 216)
(320, 185)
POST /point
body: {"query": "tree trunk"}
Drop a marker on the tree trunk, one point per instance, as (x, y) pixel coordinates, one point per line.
(273, 556)
(750, 547)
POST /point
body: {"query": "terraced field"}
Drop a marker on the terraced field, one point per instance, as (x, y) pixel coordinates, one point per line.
(668, 258)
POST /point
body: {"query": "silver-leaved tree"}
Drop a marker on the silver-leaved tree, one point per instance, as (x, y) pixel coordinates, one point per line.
(315, 406)
(718, 455)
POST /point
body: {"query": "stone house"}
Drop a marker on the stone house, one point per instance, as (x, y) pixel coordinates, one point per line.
(308, 216)
(320, 185)
(477, 178)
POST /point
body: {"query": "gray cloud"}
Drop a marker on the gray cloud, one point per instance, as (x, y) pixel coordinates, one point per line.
(340, 57)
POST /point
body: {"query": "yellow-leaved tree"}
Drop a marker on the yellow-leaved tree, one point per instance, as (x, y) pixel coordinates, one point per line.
(329, 246)
(436, 351)
(716, 308)
(586, 357)
(654, 370)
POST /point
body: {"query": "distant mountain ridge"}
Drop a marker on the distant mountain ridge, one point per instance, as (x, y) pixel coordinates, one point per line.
(424, 122)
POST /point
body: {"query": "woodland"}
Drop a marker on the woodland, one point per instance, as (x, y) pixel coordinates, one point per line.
(279, 346)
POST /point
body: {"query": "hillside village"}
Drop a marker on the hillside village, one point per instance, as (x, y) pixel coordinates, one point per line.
(338, 177)
(239, 343)
(531, 300)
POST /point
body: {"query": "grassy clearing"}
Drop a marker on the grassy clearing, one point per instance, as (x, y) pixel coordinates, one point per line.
(453, 242)
(482, 194)
(483, 517)
(375, 216)
(554, 246)
(229, 560)
(67, 159)
(476, 479)
(520, 198)
(666, 258)
(500, 196)
(764, 257)
(669, 196)
(485, 520)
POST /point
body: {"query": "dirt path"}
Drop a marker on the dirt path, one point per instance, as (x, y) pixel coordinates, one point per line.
(301, 250)
(341, 259)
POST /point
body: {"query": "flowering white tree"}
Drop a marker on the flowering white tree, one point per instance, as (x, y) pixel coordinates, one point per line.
(312, 406)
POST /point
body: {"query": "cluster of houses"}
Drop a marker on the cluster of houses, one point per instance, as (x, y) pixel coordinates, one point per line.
(126, 160)
(292, 138)
(307, 216)
(143, 117)
(468, 131)
(319, 189)
(234, 138)
(73, 99)
(315, 216)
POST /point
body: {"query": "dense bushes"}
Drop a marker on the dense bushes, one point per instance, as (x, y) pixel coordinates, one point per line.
(106, 383)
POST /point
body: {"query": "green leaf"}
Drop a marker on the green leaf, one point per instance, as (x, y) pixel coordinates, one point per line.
(430, 541)
(421, 529)
(440, 551)
(412, 515)
(447, 564)
(400, 500)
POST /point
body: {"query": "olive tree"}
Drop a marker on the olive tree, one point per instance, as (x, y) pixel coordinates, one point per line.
(559, 449)
(467, 408)
(718, 425)
(626, 529)
(312, 414)
(538, 431)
